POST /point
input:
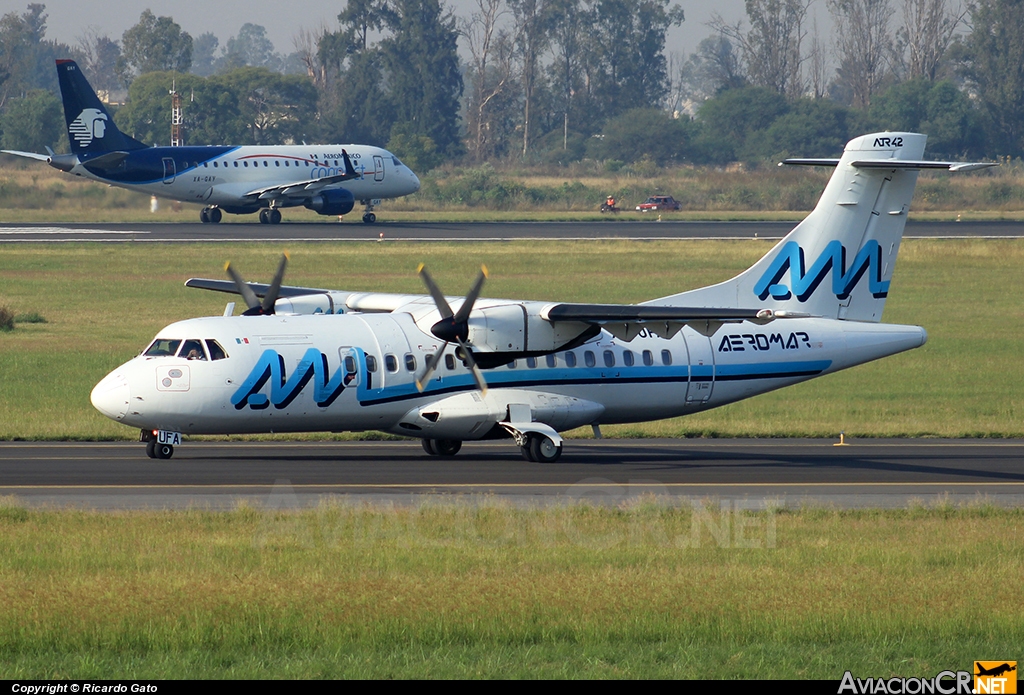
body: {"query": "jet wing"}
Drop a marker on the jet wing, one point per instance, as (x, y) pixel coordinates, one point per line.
(625, 321)
(260, 290)
(305, 187)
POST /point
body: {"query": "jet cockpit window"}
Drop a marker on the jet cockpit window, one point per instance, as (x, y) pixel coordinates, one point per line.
(162, 347)
(395, 160)
(192, 349)
(216, 351)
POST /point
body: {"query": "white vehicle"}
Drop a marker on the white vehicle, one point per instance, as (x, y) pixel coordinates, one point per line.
(448, 370)
(328, 179)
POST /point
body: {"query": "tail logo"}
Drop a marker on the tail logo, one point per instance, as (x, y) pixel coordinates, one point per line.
(90, 124)
(804, 282)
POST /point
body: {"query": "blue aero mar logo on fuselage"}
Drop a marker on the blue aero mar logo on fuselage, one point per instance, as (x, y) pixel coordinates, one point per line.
(284, 389)
(804, 281)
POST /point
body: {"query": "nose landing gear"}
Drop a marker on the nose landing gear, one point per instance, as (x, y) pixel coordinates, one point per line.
(368, 216)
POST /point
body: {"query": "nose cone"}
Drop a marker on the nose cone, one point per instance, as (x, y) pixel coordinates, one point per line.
(111, 396)
(415, 181)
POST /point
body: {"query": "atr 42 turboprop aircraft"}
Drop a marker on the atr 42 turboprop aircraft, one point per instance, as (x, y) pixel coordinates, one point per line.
(306, 359)
(328, 179)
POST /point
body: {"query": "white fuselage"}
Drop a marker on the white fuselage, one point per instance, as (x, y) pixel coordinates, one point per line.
(345, 372)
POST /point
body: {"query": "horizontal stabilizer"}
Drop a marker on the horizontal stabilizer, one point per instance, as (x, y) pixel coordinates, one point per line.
(892, 164)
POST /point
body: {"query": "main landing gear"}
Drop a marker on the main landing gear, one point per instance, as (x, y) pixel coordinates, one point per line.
(210, 215)
(270, 216)
(535, 448)
(368, 216)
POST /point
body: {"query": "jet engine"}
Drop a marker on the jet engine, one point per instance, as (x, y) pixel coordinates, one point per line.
(336, 201)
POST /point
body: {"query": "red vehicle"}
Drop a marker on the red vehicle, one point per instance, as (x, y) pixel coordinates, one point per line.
(659, 202)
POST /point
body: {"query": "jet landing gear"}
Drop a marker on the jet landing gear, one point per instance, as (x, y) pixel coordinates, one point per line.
(441, 447)
(210, 215)
(368, 216)
(270, 216)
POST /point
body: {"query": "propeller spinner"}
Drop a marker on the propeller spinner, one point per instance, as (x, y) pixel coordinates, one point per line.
(256, 307)
(453, 327)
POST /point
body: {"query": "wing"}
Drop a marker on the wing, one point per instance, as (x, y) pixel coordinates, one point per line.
(305, 187)
(625, 321)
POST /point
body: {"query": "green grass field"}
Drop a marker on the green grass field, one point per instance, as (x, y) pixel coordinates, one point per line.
(104, 303)
(458, 591)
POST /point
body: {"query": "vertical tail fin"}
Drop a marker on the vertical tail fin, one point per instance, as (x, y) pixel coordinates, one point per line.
(839, 260)
(91, 130)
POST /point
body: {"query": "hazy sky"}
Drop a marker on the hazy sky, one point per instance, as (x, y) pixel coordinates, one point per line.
(68, 19)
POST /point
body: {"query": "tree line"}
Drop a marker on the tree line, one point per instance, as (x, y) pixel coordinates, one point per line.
(552, 80)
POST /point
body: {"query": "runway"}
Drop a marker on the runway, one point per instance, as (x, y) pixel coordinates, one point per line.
(619, 228)
(868, 473)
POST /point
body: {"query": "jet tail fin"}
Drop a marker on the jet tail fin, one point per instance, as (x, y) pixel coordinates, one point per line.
(91, 130)
(839, 260)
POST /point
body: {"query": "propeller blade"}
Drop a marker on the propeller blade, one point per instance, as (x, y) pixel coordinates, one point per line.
(435, 292)
(478, 376)
(251, 300)
(467, 305)
(275, 286)
(435, 359)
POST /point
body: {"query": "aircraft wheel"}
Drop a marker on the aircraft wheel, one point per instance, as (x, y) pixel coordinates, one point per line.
(369, 218)
(447, 447)
(543, 449)
(215, 217)
(525, 451)
(164, 451)
(274, 216)
(151, 448)
(430, 446)
(264, 216)
(204, 215)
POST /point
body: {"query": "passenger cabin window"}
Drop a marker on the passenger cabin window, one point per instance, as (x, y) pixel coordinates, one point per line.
(570, 359)
(511, 365)
(391, 363)
(666, 357)
(589, 359)
(193, 350)
(410, 362)
(550, 360)
(371, 364)
(531, 362)
(163, 347)
(449, 361)
(627, 358)
(648, 358)
(350, 370)
(216, 351)
(609, 358)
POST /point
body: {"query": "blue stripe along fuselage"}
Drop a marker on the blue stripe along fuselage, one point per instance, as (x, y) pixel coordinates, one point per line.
(573, 376)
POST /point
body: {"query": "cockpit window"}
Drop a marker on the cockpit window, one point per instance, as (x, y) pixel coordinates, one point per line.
(395, 160)
(216, 351)
(193, 350)
(162, 347)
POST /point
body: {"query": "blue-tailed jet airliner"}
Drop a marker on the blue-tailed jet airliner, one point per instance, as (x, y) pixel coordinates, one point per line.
(240, 180)
(449, 370)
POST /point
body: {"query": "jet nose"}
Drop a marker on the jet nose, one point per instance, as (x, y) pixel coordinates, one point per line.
(415, 182)
(112, 395)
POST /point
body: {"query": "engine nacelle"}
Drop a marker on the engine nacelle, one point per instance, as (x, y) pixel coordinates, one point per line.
(319, 303)
(336, 201)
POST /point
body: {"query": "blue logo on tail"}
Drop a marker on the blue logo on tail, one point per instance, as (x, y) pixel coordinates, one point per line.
(805, 281)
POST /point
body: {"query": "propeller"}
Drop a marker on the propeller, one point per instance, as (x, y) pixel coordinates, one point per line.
(452, 328)
(256, 307)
